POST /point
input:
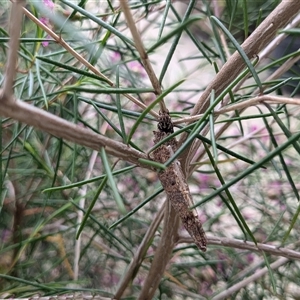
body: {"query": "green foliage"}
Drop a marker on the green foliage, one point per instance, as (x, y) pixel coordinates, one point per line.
(72, 219)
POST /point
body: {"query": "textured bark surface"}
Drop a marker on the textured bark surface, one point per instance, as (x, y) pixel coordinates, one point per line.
(175, 185)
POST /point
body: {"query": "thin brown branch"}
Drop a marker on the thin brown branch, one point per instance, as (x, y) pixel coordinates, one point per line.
(243, 105)
(258, 100)
(262, 35)
(257, 275)
(61, 41)
(65, 45)
(245, 245)
(286, 66)
(140, 254)
(162, 253)
(262, 55)
(43, 120)
(11, 64)
(143, 54)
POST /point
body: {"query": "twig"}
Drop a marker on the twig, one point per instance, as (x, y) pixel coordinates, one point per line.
(143, 54)
(11, 64)
(245, 245)
(175, 184)
(82, 193)
(140, 254)
(243, 105)
(258, 274)
(267, 50)
(162, 253)
(59, 40)
(171, 221)
(286, 66)
(239, 244)
(258, 100)
(279, 100)
(262, 35)
(73, 296)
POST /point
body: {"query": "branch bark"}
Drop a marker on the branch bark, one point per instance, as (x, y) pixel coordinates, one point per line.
(162, 253)
(14, 31)
(45, 121)
(246, 245)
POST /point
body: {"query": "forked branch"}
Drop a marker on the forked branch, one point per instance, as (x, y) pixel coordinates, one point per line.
(259, 39)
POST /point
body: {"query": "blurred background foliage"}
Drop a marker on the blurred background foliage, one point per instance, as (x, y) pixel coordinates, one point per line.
(46, 182)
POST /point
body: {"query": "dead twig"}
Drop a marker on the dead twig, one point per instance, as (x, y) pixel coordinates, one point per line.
(258, 100)
(143, 54)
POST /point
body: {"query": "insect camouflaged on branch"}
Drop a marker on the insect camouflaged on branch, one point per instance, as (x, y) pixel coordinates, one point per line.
(174, 182)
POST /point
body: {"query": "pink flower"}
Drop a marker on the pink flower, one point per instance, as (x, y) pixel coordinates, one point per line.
(137, 68)
(204, 180)
(45, 43)
(116, 57)
(250, 258)
(49, 4)
(44, 20)
(253, 127)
